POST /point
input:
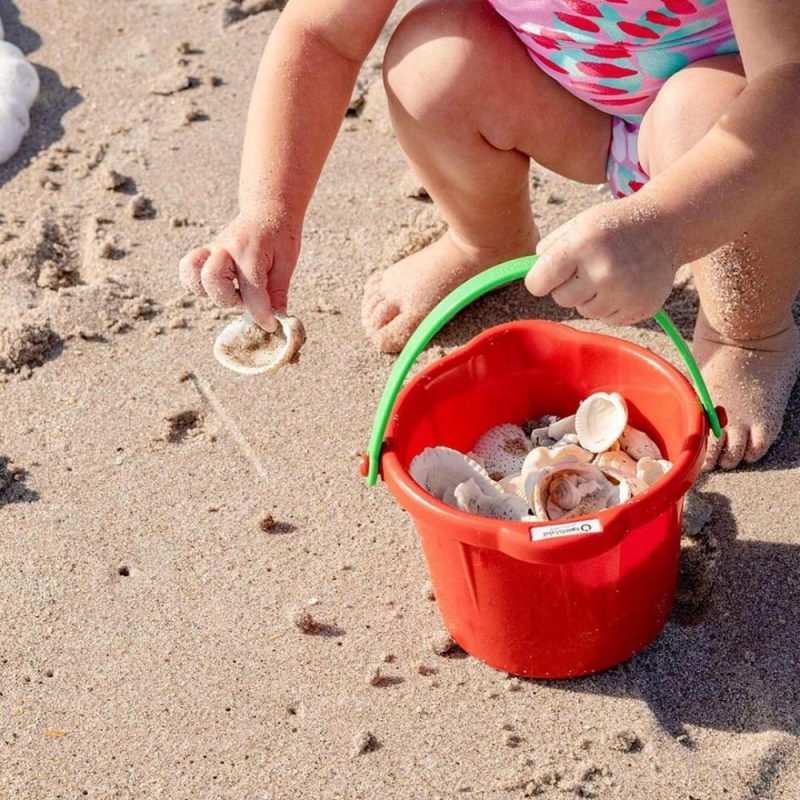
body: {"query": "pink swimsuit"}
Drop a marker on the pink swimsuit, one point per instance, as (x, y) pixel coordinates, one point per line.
(616, 55)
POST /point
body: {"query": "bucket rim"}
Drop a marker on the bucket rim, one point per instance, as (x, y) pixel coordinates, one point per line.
(515, 537)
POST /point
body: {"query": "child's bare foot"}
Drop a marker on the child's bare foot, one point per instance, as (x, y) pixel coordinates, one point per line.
(752, 380)
(397, 299)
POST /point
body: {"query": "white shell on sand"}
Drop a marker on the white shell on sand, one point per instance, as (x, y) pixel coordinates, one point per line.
(600, 420)
(637, 444)
(502, 450)
(439, 470)
(248, 349)
(19, 87)
(471, 498)
(649, 470)
(616, 459)
(570, 489)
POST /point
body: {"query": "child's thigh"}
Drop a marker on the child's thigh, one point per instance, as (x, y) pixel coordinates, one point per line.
(456, 65)
(686, 108)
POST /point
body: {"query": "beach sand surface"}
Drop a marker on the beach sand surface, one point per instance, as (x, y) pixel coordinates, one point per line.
(148, 637)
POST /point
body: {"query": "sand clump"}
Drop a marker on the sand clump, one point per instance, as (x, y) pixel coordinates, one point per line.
(304, 622)
(25, 345)
(364, 741)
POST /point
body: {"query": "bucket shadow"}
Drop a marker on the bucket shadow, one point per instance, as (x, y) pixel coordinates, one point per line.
(53, 102)
(737, 671)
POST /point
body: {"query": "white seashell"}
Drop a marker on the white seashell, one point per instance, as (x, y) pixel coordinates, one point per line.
(567, 438)
(637, 444)
(616, 459)
(540, 438)
(600, 420)
(570, 489)
(512, 484)
(248, 349)
(19, 86)
(439, 470)
(561, 427)
(629, 485)
(649, 470)
(502, 450)
(471, 498)
(541, 457)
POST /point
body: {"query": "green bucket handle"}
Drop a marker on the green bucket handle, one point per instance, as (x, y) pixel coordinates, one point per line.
(483, 283)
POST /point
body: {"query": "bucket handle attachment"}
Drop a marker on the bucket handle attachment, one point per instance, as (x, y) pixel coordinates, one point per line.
(481, 284)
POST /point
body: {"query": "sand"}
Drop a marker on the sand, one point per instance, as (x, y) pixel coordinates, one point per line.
(147, 642)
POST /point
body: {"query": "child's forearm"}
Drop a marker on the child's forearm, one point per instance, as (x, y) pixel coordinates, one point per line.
(299, 99)
(748, 162)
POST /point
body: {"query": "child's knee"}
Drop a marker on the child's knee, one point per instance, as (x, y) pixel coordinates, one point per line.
(426, 68)
(687, 106)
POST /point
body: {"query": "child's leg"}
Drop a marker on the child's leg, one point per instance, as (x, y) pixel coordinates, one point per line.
(745, 339)
(470, 108)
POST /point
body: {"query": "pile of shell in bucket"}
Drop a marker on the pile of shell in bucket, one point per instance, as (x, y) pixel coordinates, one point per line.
(549, 469)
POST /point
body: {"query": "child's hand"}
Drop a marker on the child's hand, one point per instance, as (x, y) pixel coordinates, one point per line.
(249, 263)
(611, 262)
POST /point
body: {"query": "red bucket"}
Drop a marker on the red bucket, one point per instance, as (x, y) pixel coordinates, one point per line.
(536, 599)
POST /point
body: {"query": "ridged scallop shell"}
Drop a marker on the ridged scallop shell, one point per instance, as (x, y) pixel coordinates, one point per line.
(600, 420)
(649, 470)
(502, 450)
(616, 459)
(470, 497)
(248, 349)
(637, 444)
(570, 489)
(439, 470)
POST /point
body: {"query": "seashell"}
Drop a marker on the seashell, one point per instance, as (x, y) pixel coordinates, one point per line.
(561, 427)
(439, 470)
(541, 457)
(600, 420)
(502, 450)
(637, 444)
(570, 489)
(248, 349)
(616, 459)
(470, 497)
(567, 438)
(19, 86)
(512, 484)
(649, 470)
(626, 486)
(539, 438)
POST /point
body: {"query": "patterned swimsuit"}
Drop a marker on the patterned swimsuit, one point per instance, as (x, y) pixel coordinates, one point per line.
(616, 55)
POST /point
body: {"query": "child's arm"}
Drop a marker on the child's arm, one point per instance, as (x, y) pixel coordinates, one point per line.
(301, 92)
(627, 251)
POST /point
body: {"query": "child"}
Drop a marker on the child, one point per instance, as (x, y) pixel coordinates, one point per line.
(701, 144)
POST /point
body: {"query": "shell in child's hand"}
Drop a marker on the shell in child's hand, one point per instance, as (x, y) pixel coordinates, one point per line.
(246, 348)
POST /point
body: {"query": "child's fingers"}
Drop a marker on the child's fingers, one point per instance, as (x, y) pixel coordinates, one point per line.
(253, 286)
(189, 270)
(574, 292)
(599, 307)
(549, 272)
(217, 276)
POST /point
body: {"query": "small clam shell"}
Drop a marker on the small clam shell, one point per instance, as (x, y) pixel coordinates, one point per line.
(618, 460)
(439, 470)
(600, 420)
(629, 485)
(649, 470)
(637, 444)
(570, 489)
(502, 450)
(561, 427)
(470, 497)
(248, 349)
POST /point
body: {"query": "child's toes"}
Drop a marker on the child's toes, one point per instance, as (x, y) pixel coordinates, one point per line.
(758, 443)
(392, 336)
(380, 316)
(189, 268)
(713, 450)
(735, 445)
